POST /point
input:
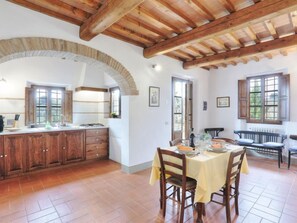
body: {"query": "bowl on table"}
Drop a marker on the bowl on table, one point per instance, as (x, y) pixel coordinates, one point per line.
(218, 145)
(185, 150)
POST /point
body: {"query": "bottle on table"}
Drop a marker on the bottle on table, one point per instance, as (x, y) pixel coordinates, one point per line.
(192, 137)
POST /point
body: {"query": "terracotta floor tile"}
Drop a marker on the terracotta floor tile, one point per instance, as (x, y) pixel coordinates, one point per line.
(101, 192)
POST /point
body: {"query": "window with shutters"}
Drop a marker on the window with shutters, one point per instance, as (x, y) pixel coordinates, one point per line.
(48, 104)
(264, 99)
(115, 102)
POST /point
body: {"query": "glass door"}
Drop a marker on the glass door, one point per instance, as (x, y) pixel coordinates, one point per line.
(181, 108)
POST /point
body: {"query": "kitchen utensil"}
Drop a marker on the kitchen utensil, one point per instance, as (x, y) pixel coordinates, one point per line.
(16, 117)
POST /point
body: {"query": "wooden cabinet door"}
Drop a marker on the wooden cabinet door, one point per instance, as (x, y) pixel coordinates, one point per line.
(73, 146)
(36, 151)
(53, 148)
(15, 152)
(2, 158)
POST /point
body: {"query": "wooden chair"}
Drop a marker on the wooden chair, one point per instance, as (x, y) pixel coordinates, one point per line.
(292, 150)
(174, 165)
(231, 187)
(231, 141)
(175, 142)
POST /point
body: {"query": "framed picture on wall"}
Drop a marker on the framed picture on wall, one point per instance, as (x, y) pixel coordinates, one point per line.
(223, 102)
(154, 96)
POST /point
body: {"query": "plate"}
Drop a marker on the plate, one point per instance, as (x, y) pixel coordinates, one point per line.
(190, 153)
(222, 150)
(13, 129)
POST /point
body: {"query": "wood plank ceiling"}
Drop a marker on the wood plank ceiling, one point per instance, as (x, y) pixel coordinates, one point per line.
(200, 33)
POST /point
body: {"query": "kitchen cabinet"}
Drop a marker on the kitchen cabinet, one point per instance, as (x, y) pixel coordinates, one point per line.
(2, 158)
(53, 145)
(36, 151)
(44, 150)
(73, 146)
(31, 151)
(14, 154)
(97, 145)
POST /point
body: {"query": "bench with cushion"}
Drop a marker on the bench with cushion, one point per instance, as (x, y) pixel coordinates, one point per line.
(263, 141)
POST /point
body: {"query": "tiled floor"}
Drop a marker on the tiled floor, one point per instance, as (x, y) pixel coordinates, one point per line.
(100, 192)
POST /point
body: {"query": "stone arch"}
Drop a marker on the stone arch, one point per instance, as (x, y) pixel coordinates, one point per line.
(39, 46)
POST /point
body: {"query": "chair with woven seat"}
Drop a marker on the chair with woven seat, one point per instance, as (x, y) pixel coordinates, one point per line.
(231, 186)
(175, 142)
(173, 178)
(292, 150)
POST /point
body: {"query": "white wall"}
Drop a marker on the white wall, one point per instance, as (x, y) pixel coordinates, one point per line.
(141, 128)
(224, 83)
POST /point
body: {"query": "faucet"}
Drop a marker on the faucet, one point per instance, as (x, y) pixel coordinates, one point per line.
(62, 121)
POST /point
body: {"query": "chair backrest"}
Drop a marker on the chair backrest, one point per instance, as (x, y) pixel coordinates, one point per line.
(173, 164)
(234, 166)
(231, 141)
(214, 132)
(175, 142)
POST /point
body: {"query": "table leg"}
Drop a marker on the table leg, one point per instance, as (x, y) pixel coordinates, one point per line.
(199, 209)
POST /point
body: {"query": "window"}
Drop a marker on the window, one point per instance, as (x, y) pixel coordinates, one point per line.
(115, 102)
(48, 104)
(264, 99)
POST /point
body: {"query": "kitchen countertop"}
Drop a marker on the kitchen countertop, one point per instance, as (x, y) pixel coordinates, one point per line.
(52, 129)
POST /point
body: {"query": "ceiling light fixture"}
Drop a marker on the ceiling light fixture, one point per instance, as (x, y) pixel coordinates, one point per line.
(156, 67)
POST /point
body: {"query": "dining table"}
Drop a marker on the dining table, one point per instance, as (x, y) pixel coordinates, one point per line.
(208, 168)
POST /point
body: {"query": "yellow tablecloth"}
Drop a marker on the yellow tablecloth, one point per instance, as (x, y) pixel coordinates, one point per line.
(209, 169)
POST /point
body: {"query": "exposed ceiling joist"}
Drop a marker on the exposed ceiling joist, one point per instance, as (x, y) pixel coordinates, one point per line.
(251, 51)
(259, 12)
(108, 14)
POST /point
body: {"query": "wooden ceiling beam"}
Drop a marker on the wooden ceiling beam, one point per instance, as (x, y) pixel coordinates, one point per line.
(109, 13)
(271, 29)
(255, 58)
(293, 20)
(179, 13)
(228, 5)
(81, 6)
(157, 19)
(284, 52)
(123, 38)
(132, 34)
(48, 12)
(268, 55)
(253, 14)
(204, 10)
(251, 34)
(62, 8)
(145, 25)
(255, 50)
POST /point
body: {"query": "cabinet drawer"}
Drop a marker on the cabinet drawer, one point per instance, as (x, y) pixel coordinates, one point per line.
(96, 151)
(96, 139)
(91, 152)
(96, 132)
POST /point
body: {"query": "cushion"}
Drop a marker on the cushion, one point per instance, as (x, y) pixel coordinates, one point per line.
(273, 144)
(245, 141)
(294, 148)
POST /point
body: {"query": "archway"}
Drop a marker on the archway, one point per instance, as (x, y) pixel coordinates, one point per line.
(39, 46)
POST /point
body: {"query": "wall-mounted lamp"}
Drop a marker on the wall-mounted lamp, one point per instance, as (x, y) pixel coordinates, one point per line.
(156, 67)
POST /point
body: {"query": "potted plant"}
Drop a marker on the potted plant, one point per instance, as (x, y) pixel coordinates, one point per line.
(113, 115)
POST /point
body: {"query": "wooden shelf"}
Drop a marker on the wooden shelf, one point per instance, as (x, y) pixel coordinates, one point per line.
(91, 89)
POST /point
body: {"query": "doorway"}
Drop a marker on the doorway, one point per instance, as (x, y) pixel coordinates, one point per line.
(182, 120)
